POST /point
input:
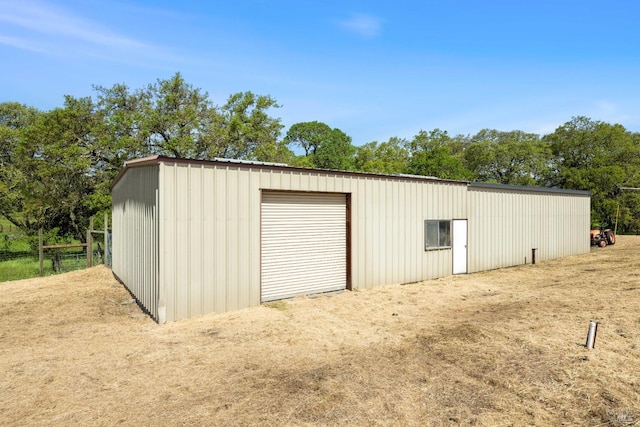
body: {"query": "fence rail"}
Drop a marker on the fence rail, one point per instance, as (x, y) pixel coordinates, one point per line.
(88, 245)
(55, 258)
(79, 245)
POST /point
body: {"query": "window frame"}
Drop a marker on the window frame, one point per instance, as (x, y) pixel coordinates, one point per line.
(444, 241)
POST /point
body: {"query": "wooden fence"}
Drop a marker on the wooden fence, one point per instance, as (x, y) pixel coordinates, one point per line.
(88, 245)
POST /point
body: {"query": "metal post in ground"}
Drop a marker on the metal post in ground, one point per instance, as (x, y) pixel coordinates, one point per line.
(106, 242)
(90, 244)
(40, 252)
(591, 335)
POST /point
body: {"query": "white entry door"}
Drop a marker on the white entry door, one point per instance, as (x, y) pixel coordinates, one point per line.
(459, 246)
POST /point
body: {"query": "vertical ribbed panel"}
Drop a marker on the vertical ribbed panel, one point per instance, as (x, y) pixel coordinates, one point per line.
(135, 243)
(505, 225)
(210, 225)
(187, 236)
(303, 244)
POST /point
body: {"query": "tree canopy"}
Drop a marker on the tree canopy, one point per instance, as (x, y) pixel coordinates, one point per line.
(432, 154)
(324, 147)
(597, 157)
(515, 157)
(389, 157)
(56, 166)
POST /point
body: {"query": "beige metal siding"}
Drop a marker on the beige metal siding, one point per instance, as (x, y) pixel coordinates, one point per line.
(303, 243)
(210, 229)
(187, 234)
(505, 225)
(135, 234)
(388, 222)
(210, 237)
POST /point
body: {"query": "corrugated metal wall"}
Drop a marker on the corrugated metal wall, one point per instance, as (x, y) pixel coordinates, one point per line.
(187, 234)
(504, 225)
(135, 242)
(211, 230)
(388, 229)
(210, 247)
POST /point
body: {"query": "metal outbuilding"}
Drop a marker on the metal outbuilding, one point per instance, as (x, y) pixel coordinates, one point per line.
(193, 237)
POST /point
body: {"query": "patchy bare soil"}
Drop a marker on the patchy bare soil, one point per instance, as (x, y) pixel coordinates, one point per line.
(504, 347)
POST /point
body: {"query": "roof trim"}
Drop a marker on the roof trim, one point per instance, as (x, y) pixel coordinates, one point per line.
(282, 166)
(509, 187)
(154, 160)
(248, 162)
(135, 162)
(144, 161)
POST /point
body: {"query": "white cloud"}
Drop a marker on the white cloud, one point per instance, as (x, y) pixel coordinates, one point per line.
(41, 27)
(363, 25)
(606, 107)
(42, 18)
(609, 112)
(21, 43)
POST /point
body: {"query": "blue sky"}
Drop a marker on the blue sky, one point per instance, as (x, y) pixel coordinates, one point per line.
(374, 69)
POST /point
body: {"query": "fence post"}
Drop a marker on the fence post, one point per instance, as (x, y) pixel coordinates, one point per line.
(90, 244)
(106, 240)
(40, 252)
(87, 249)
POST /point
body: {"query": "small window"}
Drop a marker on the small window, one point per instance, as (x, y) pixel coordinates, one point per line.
(437, 234)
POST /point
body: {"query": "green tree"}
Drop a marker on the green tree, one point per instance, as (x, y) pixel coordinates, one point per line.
(515, 157)
(173, 118)
(57, 166)
(595, 156)
(627, 212)
(177, 116)
(15, 118)
(125, 134)
(55, 170)
(244, 129)
(431, 154)
(389, 157)
(169, 117)
(336, 152)
(324, 147)
(308, 136)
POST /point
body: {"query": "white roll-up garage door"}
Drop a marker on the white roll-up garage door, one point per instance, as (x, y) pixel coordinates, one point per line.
(304, 244)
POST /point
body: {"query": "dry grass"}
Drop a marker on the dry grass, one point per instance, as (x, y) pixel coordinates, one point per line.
(504, 347)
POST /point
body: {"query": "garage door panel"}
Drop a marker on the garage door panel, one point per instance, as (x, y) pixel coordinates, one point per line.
(285, 266)
(326, 246)
(303, 248)
(311, 262)
(331, 236)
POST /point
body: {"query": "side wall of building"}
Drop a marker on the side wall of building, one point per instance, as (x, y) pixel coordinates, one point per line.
(135, 234)
(210, 228)
(187, 238)
(506, 224)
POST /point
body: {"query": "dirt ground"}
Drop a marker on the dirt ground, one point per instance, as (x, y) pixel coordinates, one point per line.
(504, 347)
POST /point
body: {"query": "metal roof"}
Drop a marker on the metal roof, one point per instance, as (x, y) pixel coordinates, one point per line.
(152, 160)
(527, 188)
